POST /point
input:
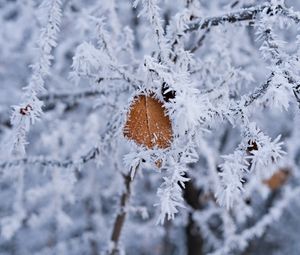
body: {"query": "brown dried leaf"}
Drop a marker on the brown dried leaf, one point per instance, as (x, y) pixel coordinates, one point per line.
(278, 179)
(147, 124)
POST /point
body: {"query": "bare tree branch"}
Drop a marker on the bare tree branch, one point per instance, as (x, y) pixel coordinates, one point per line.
(121, 216)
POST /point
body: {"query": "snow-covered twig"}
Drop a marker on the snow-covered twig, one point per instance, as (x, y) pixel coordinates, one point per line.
(239, 241)
(69, 98)
(90, 61)
(284, 76)
(151, 9)
(121, 215)
(30, 110)
(246, 14)
(111, 129)
(257, 93)
(42, 161)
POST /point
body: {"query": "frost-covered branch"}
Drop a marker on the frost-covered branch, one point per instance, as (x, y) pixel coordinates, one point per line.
(226, 112)
(90, 61)
(151, 9)
(284, 76)
(247, 161)
(239, 241)
(69, 98)
(30, 110)
(170, 193)
(232, 171)
(242, 15)
(257, 93)
(43, 161)
(110, 130)
(246, 14)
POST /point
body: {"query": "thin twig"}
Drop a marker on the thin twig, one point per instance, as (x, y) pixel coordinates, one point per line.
(42, 161)
(51, 99)
(260, 91)
(247, 14)
(111, 129)
(241, 239)
(200, 41)
(121, 216)
(233, 17)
